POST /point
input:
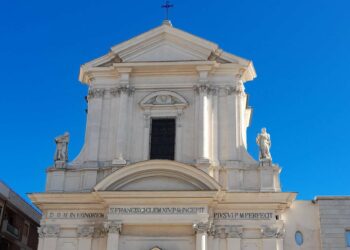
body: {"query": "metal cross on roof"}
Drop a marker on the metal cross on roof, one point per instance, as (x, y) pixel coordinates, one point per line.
(167, 6)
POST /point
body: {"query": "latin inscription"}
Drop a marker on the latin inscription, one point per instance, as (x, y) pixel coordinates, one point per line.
(156, 210)
(243, 216)
(75, 215)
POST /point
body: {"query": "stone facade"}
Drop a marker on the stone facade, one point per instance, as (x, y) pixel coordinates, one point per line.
(334, 221)
(212, 196)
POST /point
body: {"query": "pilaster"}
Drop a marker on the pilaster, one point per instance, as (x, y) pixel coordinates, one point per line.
(272, 237)
(48, 235)
(94, 121)
(202, 89)
(84, 234)
(124, 91)
(113, 228)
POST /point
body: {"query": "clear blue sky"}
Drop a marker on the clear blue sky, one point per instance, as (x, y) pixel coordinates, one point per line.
(300, 50)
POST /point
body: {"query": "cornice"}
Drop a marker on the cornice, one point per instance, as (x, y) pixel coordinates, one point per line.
(89, 74)
(221, 200)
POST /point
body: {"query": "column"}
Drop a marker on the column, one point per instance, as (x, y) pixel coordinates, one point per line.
(48, 235)
(124, 91)
(203, 133)
(241, 106)
(201, 235)
(203, 124)
(84, 234)
(215, 132)
(113, 228)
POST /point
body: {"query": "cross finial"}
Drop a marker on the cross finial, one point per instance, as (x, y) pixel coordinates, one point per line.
(167, 6)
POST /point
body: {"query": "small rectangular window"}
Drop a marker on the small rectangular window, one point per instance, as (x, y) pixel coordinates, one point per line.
(347, 237)
(162, 139)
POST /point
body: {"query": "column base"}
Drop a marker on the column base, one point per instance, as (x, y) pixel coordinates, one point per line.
(119, 162)
(203, 164)
(60, 164)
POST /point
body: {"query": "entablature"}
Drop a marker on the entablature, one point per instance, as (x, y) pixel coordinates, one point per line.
(218, 200)
(88, 73)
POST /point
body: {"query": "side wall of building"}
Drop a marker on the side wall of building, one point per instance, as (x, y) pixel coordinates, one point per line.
(303, 217)
(335, 220)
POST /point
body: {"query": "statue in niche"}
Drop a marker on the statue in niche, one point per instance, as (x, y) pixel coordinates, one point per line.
(61, 153)
(264, 142)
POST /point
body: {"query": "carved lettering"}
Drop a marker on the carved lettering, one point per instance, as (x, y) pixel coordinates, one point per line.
(156, 210)
(75, 215)
(243, 216)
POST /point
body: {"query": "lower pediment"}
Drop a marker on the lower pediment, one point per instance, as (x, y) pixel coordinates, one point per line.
(161, 182)
(158, 175)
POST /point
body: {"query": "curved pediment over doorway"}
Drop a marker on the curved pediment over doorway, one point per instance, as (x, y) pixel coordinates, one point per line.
(157, 175)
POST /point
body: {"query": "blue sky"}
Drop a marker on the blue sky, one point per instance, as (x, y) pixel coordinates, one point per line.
(300, 50)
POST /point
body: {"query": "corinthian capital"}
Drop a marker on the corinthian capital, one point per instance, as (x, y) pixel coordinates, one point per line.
(125, 89)
(85, 231)
(99, 231)
(201, 227)
(234, 231)
(113, 226)
(96, 93)
(49, 231)
(227, 231)
(273, 232)
(202, 89)
(238, 89)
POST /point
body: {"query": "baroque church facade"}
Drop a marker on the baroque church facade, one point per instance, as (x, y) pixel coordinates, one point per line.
(165, 162)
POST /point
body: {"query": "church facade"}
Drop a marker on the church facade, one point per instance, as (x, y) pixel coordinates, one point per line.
(165, 163)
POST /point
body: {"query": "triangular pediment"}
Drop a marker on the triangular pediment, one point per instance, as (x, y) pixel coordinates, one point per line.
(165, 44)
(165, 51)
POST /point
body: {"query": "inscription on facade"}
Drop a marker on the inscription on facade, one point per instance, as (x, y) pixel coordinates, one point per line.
(74, 215)
(156, 210)
(243, 215)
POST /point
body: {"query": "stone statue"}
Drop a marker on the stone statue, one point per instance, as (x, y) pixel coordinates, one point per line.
(264, 143)
(61, 153)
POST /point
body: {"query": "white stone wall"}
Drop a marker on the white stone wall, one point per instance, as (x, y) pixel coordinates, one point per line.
(302, 216)
(211, 125)
(334, 219)
(226, 120)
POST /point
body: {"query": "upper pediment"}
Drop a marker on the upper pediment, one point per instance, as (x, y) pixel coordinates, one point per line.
(164, 51)
(165, 44)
